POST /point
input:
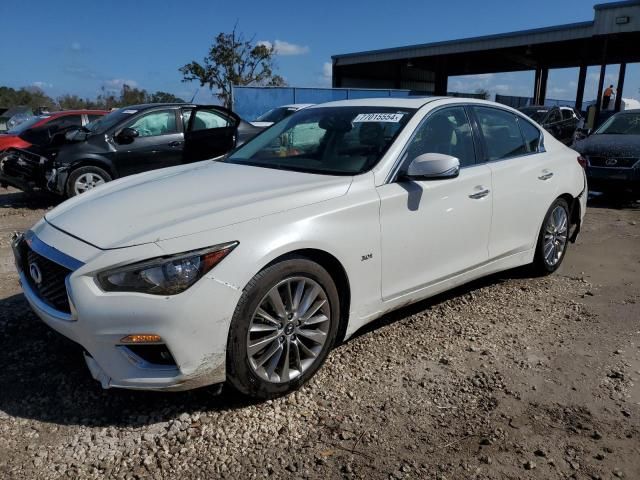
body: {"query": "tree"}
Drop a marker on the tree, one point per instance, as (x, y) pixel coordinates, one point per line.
(33, 97)
(232, 60)
(163, 97)
(483, 93)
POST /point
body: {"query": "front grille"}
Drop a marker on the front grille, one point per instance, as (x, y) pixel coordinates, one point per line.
(51, 288)
(22, 165)
(612, 162)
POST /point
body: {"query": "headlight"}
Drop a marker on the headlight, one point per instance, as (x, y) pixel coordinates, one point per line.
(165, 275)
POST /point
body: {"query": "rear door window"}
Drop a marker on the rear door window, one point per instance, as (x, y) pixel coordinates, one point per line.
(554, 116)
(501, 133)
(531, 135)
(209, 119)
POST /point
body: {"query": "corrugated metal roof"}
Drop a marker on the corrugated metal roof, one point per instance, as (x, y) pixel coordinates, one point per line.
(533, 36)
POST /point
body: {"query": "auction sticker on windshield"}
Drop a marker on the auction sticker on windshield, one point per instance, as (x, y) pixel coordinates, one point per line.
(379, 117)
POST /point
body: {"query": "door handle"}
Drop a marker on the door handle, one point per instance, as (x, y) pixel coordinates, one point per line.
(175, 143)
(481, 194)
(546, 175)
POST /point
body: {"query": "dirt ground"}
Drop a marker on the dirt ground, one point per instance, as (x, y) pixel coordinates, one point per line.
(508, 377)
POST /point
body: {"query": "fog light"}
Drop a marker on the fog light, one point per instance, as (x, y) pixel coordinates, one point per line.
(141, 338)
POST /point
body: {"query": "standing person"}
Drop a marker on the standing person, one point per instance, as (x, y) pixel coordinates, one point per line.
(606, 97)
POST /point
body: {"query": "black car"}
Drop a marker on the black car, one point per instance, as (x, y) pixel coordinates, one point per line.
(612, 154)
(130, 140)
(561, 122)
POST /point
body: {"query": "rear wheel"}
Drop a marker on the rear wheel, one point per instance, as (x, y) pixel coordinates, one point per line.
(553, 238)
(283, 328)
(83, 179)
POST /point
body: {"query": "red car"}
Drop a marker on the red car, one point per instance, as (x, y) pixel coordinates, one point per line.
(39, 130)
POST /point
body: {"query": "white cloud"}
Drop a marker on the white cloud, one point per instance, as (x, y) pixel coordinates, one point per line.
(117, 83)
(280, 47)
(327, 70)
(42, 85)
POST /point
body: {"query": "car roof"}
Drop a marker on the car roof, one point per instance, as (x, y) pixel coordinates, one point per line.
(413, 102)
(73, 112)
(299, 106)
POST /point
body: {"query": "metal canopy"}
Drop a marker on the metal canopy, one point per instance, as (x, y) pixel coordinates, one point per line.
(612, 37)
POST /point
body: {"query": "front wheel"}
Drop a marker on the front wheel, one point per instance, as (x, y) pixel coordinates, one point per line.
(283, 328)
(83, 179)
(552, 239)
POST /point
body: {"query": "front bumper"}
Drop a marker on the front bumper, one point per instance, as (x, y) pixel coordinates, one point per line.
(193, 325)
(614, 179)
(23, 169)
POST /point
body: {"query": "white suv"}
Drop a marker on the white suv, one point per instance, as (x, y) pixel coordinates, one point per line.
(249, 268)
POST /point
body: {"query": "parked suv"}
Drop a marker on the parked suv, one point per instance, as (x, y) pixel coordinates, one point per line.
(561, 122)
(136, 139)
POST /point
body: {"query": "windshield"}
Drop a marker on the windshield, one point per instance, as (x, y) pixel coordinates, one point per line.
(534, 113)
(326, 140)
(276, 114)
(27, 124)
(621, 124)
(103, 124)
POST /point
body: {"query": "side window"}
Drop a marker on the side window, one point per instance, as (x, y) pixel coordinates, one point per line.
(207, 119)
(501, 133)
(566, 114)
(531, 135)
(162, 122)
(64, 122)
(446, 131)
(93, 117)
(554, 116)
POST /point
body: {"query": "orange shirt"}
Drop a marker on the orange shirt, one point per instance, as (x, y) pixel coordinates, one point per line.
(608, 92)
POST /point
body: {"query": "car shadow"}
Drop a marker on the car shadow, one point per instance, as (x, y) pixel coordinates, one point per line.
(615, 202)
(35, 200)
(44, 377)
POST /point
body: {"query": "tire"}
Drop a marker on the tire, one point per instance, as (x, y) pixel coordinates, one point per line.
(553, 239)
(91, 177)
(250, 368)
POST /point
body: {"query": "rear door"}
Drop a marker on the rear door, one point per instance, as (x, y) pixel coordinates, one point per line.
(159, 143)
(523, 179)
(210, 131)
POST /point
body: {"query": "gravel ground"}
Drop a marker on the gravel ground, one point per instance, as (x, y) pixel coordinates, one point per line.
(508, 377)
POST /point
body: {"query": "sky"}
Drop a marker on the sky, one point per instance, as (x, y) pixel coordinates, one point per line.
(79, 47)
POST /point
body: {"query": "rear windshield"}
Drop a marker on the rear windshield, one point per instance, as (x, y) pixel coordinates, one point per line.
(535, 114)
(26, 125)
(326, 140)
(276, 114)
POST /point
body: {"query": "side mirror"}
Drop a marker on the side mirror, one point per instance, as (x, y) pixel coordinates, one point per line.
(433, 166)
(127, 135)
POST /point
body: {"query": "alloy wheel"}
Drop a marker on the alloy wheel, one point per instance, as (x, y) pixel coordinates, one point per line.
(288, 329)
(87, 181)
(555, 235)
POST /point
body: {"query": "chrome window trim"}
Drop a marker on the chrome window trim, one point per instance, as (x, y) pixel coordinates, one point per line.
(519, 117)
(392, 175)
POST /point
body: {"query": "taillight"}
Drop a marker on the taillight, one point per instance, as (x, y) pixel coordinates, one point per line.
(582, 161)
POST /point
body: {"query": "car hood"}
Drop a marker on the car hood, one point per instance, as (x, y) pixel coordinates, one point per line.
(610, 145)
(183, 200)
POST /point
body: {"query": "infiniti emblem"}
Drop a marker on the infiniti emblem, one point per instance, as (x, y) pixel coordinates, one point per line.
(35, 273)
(611, 162)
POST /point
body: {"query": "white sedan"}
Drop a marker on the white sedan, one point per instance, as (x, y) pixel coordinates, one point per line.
(249, 268)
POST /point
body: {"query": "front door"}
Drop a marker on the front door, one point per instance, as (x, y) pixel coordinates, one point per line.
(432, 230)
(159, 143)
(209, 132)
